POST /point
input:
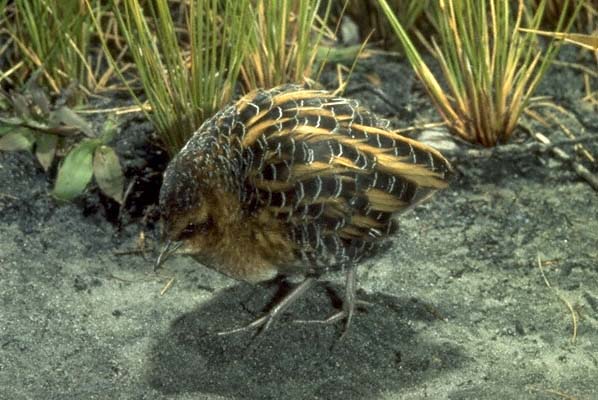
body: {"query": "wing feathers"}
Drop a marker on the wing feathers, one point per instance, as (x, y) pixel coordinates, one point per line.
(315, 159)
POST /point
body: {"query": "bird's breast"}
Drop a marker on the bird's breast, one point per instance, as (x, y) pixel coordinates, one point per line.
(254, 249)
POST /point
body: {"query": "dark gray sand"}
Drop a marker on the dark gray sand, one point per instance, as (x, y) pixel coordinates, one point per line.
(459, 308)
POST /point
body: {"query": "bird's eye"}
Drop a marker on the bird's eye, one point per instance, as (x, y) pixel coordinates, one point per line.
(194, 228)
(188, 231)
(205, 226)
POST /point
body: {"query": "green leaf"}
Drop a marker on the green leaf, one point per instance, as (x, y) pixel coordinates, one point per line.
(5, 129)
(109, 130)
(11, 122)
(16, 140)
(75, 172)
(108, 173)
(45, 149)
(68, 117)
(20, 105)
(4, 106)
(40, 99)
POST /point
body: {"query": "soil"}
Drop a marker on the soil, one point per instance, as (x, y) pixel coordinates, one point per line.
(459, 307)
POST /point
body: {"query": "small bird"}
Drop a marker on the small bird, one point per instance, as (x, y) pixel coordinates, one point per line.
(292, 182)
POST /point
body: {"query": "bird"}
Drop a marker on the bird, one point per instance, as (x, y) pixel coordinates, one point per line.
(293, 183)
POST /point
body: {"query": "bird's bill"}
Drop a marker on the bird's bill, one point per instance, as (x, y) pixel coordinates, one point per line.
(167, 250)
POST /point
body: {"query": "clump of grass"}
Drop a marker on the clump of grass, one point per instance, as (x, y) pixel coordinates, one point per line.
(490, 68)
(189, 56)
(586, 19)
(284, 42)
(187, 71)
(588, 42)
(54, 37)
(369, 17)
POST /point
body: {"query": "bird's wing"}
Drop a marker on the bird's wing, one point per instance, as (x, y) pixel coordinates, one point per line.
(324, 164)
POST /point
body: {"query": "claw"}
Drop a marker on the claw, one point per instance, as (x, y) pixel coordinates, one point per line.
(349, 305)
(263, 323)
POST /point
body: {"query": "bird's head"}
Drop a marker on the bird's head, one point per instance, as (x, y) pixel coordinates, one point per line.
(183, 204)
(195, 204)
(183, 207)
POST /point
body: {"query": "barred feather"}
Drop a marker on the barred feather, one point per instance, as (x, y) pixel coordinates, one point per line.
(332, 170)
(331, 173)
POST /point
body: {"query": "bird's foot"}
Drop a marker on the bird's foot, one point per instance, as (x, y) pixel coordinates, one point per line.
(327, 321)
(341, 315)
(260, 325)
(263, 323)
(345, 314)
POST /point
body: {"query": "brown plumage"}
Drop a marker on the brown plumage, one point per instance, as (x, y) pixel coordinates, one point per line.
(292, 181)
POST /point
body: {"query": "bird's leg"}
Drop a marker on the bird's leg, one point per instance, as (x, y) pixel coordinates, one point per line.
(263, 323)
(349, 303)
(350, 297)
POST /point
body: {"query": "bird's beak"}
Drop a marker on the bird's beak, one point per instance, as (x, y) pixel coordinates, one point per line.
(167, 250)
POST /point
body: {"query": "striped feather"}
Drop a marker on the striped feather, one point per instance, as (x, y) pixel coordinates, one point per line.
(332, 170)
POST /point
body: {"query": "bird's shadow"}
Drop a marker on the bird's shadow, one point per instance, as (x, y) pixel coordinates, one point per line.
(380, 353)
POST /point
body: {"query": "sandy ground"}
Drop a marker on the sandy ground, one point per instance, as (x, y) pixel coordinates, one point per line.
(459, 306)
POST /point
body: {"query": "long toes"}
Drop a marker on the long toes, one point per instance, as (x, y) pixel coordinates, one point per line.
(330, 320)
(261, 324)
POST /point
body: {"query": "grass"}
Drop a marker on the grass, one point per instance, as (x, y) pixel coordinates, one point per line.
(190, 56)
(490, 68)
(187, 67)
(285, 40)
(181, 61)
(369, 17)
(586, 21)
(54, 37)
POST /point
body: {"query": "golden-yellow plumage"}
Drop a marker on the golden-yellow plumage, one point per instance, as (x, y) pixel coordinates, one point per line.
(293, 181)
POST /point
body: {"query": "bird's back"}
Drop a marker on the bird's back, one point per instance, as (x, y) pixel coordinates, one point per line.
(331, 171)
